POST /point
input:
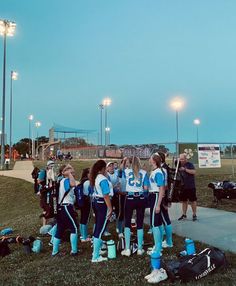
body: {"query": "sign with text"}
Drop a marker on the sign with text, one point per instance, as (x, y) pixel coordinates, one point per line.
(209, 156)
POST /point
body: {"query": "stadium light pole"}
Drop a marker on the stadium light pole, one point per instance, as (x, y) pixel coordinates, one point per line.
(101, 106)
(197, 123)
(37, 125)
(30, 118)
(14, 76)
(106, 103)
(177, 104)
(108, 129)
(7, 28)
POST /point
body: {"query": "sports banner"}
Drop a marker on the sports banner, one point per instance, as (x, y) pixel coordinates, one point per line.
(209, 156)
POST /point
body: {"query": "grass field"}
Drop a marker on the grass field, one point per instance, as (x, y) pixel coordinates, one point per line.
(20, 210)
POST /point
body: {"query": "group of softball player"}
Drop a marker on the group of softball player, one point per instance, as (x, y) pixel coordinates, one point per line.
(123, 191)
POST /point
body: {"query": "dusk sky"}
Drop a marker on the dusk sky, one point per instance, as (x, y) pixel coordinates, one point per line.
(71, 54)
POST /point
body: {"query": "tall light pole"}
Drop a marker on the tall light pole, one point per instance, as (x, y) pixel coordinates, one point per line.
(107, 130)
(37, 125)
(106, 103)
(7, 28)
(197, 123)
(31, 117)
(177, 104)
(14, 76)
(101, 106)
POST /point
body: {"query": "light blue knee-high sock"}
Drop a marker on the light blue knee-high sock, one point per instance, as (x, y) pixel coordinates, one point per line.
(161, 229)
(52, 232)
(127, 237)
(140, 238)
(157, 239)
(80, 230)
(84, 231)
(56, 243)
(168, 229)
(74, 242)
(97, 244)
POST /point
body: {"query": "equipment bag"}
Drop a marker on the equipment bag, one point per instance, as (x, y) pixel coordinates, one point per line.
(201, 264)
(79, 196)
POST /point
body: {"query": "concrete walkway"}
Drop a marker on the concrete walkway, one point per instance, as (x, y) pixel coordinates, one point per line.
(21, 170)
(214, 227)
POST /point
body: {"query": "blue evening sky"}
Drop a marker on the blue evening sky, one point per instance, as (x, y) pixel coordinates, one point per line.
(70, 54)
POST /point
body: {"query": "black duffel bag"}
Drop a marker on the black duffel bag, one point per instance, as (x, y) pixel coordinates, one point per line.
(202, 264)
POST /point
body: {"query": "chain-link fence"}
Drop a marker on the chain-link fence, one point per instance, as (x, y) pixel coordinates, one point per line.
(227, 153)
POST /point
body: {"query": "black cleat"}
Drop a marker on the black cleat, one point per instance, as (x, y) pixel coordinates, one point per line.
(182, 217)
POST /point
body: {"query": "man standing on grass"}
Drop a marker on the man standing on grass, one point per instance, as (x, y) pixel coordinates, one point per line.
(188, 172)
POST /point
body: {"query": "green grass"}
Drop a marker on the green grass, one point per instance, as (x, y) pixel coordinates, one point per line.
(20, 210)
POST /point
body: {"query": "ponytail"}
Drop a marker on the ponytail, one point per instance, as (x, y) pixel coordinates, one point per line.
(96, 168)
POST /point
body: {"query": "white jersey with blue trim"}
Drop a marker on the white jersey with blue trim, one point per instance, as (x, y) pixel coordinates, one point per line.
(86, 186)
(70, 197)
(113, 178)
(134, 184)
(153, 184)
(97, 188)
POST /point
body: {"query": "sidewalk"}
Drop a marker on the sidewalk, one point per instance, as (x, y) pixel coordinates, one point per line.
(22, 170)
(214, 227)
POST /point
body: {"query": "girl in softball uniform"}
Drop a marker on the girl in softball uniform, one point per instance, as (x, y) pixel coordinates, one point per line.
(66, 214)
(102, 205)
(156, 195)
(136, 182)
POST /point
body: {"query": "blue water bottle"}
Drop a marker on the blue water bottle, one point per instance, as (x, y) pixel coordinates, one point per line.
(37, 245)
(155, 260)
(189, 246)
(111, 247)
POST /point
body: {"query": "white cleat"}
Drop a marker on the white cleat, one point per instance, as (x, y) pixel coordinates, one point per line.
(165, 245)
(151, 274)
(99, 259)
(140, 252)
(126, 252)
(159, 276)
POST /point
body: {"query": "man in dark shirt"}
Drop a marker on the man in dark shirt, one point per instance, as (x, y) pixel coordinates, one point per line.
(188, 190)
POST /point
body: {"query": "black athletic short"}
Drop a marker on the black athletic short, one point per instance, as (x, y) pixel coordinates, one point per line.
(188, 195)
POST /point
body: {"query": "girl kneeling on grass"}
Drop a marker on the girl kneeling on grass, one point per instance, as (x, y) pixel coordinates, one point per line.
(102, 206)
(66, 214)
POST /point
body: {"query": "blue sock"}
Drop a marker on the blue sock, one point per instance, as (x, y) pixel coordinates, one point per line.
(120, 226)
(56, 243)
(161, 229)
(127, 237)
(97, 244)
(157, 239)
(80, 230)
(74, 242)
(140, 238)
(168, 229)
(83, 231)
(52, 232)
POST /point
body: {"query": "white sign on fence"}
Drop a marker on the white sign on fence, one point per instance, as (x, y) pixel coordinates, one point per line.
(209, 156)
